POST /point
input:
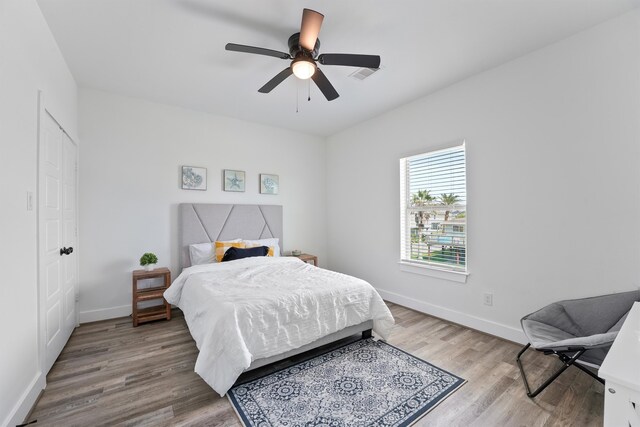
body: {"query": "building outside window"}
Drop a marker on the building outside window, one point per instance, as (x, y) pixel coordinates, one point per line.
(434, 209)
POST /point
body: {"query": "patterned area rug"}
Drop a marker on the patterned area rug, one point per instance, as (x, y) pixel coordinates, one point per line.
(366, 383)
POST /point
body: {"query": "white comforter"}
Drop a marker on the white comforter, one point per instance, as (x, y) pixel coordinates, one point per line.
(253, 308)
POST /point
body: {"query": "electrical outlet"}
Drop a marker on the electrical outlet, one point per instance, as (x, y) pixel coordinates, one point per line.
(488, 299)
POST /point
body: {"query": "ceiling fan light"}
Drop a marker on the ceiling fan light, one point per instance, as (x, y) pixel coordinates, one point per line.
(303, 68)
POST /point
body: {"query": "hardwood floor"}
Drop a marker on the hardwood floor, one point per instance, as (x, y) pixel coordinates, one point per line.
(110, 374)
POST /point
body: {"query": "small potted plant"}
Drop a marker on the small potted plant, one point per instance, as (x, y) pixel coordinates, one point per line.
(148, 261)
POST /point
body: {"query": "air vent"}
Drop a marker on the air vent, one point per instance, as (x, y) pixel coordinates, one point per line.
(363, 73)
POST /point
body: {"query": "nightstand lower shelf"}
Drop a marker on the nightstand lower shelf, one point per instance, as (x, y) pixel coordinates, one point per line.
(152, 313)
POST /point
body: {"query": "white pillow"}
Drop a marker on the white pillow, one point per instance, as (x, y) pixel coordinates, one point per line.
(273, 243)
(204, 253)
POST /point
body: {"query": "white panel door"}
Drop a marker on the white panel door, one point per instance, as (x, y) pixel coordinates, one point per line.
(69, 268)
(56, 207)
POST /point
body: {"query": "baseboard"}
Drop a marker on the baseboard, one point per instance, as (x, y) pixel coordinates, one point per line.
(104, 314)
(27, 400)
(474, 322)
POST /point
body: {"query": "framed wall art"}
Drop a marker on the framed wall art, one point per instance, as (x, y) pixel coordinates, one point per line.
(233, 180)
(194, 178)
(269, 184)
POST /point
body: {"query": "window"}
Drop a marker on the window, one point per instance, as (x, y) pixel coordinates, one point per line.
(433, 207)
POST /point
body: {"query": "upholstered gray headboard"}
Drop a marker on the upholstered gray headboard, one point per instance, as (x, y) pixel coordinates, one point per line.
(208, 222)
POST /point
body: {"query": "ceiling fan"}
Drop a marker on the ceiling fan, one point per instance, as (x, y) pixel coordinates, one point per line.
(303, 53)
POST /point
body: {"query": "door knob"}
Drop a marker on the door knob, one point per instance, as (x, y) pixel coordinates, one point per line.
(66, 251)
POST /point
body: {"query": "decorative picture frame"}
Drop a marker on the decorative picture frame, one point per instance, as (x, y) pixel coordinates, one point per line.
(233, 180)
(269, 183)
(194, 178)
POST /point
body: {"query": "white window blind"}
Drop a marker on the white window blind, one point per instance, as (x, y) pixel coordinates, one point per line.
(433, 204)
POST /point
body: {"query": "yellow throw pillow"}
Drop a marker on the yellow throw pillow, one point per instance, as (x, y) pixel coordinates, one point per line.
(271, 250)
(221, 248)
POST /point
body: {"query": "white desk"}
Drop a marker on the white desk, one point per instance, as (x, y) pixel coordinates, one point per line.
(621, 372)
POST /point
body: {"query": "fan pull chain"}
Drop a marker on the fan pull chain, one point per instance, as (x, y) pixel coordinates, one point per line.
(309, 86)
(297, 96)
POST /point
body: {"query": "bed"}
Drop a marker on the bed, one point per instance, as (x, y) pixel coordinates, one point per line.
(251, 312)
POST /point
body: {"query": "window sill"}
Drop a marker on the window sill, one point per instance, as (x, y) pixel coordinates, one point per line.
(426, 270)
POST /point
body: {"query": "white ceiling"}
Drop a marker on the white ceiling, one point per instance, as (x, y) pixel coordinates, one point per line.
(172, 51)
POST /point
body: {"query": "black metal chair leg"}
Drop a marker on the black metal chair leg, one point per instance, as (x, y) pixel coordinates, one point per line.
(566, 362)
(588, 371)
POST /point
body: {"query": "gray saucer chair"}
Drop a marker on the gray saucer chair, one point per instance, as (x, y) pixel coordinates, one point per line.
(579, 330)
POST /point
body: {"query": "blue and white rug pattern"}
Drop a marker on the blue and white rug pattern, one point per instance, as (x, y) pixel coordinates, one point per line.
(366, 383)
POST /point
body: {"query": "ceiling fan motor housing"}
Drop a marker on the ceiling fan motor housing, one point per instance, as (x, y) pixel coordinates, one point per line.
(296, 50)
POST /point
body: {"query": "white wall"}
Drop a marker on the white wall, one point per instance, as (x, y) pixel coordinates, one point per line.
(553, 150)
(132, 152)
(29, 61)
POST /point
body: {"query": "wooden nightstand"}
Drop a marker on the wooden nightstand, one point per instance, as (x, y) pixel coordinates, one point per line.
(162, 311)
(307, 258)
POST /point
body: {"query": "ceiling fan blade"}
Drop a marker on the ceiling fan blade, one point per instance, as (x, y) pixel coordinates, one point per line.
(310, 28)
(324, 85)
(257, 50)
(351, 60)
(279, 78)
